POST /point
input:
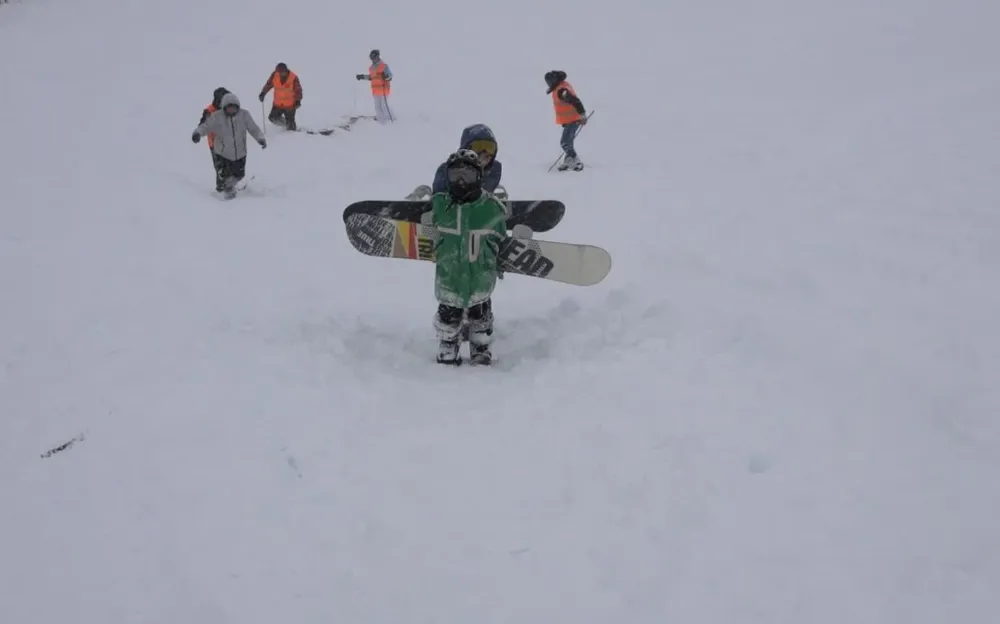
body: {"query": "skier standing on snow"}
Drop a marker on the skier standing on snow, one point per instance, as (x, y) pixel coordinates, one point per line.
(480, 139)
(215, 105)
(471, 228)
(570, 114)
(230, 126)
(287, 95)
(380, 77)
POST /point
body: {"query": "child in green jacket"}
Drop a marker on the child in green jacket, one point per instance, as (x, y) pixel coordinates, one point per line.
(471, 228)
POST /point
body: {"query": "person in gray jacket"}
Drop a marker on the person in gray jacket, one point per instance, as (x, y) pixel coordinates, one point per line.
(230, 126)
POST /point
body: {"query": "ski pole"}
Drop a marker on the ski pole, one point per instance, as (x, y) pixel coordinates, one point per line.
(579, 129)
(385, 98)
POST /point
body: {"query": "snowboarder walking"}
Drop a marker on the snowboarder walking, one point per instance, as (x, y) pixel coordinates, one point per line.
(570, 114)
(380, 77)
(230, 126)
(215, 105)
(480, 139)
(287, 95)
(471, 229)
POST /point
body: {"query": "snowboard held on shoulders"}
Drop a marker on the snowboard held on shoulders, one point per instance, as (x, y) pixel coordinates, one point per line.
(540, 215)
(569, 263)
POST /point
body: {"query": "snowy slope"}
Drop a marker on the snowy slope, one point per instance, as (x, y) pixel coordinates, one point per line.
(781, 405)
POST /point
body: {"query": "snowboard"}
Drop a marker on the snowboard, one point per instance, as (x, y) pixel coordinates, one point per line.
(569, 263)
(540, 215)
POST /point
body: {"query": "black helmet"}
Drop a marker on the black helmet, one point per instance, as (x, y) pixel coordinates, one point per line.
(217, 96)
(281, 67)
(553, 78)
(374, 54)
(464, 174)
(464, 157)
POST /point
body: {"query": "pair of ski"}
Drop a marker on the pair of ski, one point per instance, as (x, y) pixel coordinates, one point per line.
(345, 126)
(397, 229)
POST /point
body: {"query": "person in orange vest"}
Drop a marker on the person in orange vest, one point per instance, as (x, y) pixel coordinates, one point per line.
(380, 76)
(215, 105)
(570, 114)
(287, 95)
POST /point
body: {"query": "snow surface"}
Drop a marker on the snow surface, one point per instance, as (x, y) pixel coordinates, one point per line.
(782, 405)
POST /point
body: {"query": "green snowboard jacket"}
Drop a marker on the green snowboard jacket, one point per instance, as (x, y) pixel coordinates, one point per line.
(466, 251)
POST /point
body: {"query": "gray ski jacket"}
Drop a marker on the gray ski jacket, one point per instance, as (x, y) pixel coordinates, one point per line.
(230, 132)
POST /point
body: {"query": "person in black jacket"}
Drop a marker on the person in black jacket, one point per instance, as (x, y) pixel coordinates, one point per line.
(480, 139)
(216, 162)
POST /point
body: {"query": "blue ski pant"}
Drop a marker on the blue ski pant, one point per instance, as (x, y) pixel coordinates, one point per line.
(568, 137)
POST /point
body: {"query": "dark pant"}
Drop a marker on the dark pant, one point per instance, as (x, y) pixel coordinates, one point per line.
(217, 165)
(235, 169)
(568, 136)
(448, 323)
(287, 113)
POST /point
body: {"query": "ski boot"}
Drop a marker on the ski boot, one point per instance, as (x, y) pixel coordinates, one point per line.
(229, 188)
(571, 162)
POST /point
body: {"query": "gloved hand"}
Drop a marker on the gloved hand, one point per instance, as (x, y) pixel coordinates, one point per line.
(298, 104)
(522, 231)
(196, 137)
(263, 143)
(261, 96)
(361, 76)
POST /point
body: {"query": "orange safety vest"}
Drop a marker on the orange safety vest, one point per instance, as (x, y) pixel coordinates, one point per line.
(565, 112)
(211, 135)
(284, 94)
(380, 86)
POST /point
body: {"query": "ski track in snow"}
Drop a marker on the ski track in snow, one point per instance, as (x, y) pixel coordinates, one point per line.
(780, 406)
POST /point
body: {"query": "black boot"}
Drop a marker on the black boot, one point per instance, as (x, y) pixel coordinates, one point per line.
(448, 324)
(480, 355)
(480, 340)
(448, 353)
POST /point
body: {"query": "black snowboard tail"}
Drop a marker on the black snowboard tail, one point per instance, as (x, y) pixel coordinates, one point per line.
(540, 215)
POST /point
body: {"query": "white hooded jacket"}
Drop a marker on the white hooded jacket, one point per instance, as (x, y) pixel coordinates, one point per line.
(230, 131)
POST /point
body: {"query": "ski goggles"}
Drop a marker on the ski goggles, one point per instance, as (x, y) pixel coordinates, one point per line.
(484, 146)
(463, 175)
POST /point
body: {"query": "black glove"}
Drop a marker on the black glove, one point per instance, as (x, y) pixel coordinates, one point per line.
(263, 143)
(261, 97)
(196, 137)
(361, 76)
(298, 104)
